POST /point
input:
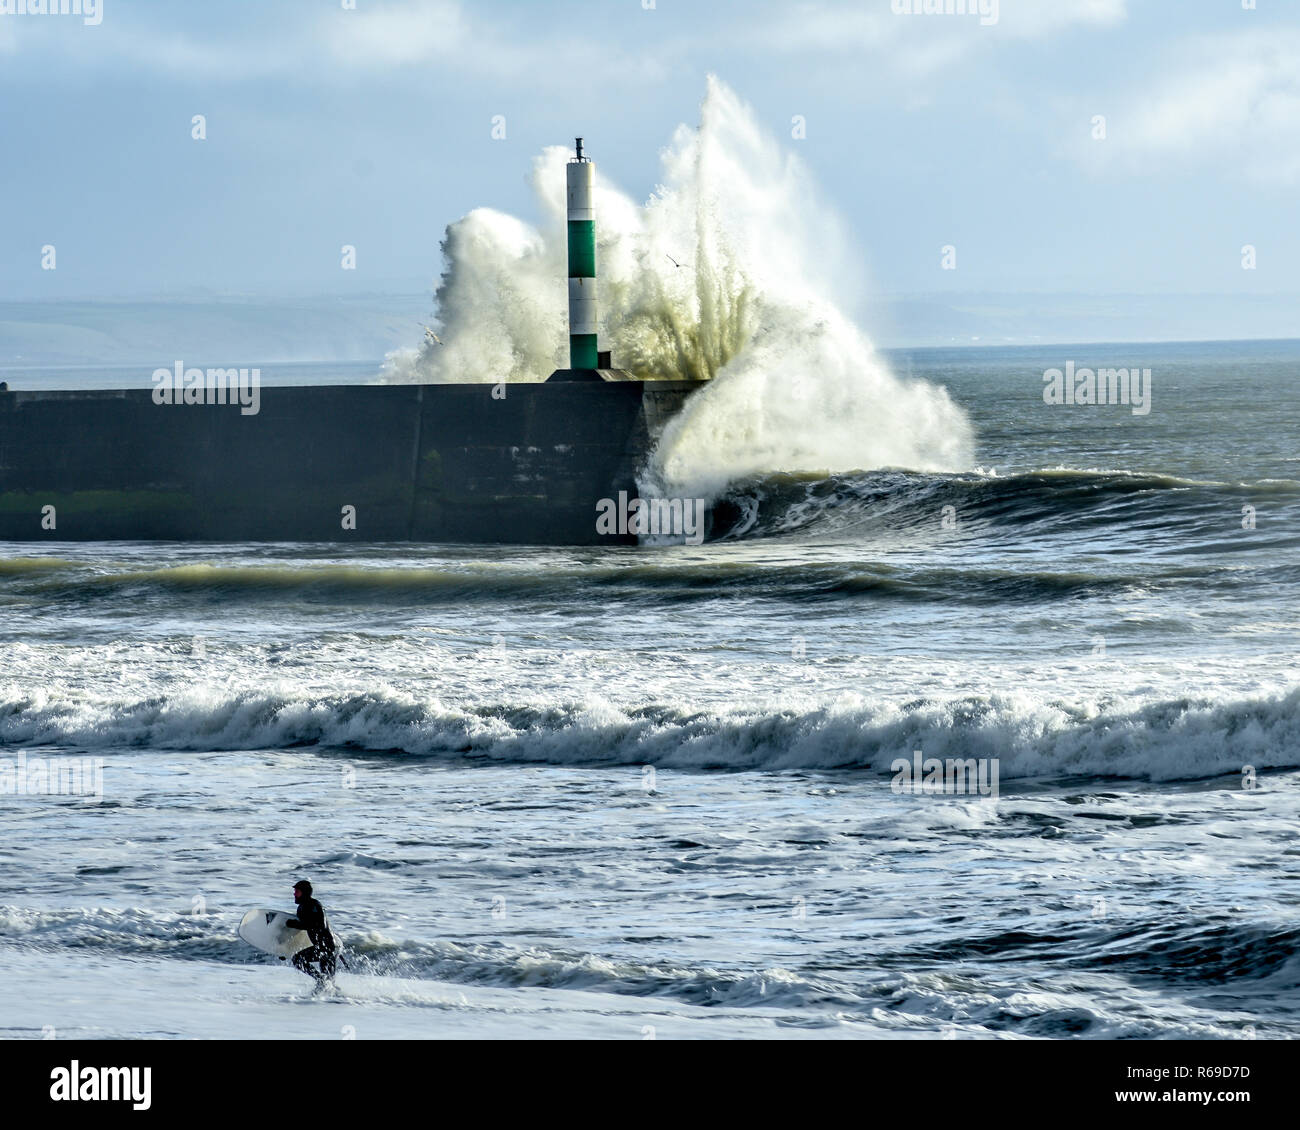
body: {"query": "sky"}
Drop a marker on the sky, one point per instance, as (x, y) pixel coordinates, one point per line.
(370, 123)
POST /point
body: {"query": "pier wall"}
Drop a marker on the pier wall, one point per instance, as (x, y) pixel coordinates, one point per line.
(417, 462)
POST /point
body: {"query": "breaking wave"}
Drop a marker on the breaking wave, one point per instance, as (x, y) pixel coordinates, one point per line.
(730, 273)
(1174, 739)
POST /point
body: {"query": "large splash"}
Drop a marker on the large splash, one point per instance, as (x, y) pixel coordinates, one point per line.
(729, 273)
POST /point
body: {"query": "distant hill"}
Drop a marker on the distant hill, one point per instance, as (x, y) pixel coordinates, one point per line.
(365, 328)
(153, 332)
(1043, 319)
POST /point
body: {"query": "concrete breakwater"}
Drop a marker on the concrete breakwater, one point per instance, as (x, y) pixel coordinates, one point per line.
(511, 463)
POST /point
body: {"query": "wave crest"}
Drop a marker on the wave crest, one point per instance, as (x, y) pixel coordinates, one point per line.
(1157, 740)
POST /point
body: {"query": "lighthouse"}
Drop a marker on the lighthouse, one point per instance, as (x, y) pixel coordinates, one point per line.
(582, 263)
(587, 361)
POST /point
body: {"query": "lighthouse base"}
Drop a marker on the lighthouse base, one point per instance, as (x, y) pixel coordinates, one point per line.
(591, 375)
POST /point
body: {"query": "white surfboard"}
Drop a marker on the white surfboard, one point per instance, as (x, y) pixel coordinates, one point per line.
(266, 930)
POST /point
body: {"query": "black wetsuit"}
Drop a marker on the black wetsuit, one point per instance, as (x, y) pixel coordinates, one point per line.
(310, 916)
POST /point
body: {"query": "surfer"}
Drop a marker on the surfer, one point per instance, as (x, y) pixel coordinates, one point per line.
(311, 917)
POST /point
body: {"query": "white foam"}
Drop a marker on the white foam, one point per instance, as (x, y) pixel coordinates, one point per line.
(1031, 737)
(732, 270)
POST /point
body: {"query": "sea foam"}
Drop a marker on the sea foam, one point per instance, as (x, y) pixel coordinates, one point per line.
(734, 271)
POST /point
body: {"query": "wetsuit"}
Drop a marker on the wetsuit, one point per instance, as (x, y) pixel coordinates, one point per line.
(310, 916)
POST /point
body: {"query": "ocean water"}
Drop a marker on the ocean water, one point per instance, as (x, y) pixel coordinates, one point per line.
(649, 791)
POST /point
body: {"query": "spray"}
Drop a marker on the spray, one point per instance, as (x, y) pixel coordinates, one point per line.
(729, 274)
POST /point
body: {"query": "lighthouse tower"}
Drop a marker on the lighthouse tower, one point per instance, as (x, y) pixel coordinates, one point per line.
(582, 263)
(587, 362)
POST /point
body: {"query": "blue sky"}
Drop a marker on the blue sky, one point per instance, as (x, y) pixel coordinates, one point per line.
(373, 127)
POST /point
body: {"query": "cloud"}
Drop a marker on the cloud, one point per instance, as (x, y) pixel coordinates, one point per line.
(409, 33)
(904, 38)
(398, 35)
(380, 36)
(1230, 101)
(387, 36)
(1034, 19)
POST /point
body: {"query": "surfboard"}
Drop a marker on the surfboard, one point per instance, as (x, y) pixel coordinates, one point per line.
(266, 930)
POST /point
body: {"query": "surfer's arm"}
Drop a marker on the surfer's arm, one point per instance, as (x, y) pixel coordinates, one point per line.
(307, 918)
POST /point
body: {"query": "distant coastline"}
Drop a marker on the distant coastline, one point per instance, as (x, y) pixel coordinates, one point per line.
(105, 332)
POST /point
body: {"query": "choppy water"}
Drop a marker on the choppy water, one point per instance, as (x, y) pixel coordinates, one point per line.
(587, 792)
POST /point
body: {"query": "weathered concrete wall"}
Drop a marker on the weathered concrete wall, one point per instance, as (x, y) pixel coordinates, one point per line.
(419, 462)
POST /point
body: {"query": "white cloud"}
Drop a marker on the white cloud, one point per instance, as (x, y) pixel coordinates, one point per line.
(1231, 101)
(1037, 19)
(400, 34)
(424, 32)
(903, 37)
(380, 36)
(389, 35)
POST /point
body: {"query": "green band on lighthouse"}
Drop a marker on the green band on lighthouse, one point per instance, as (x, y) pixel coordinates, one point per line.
(582, 351)
(582, 249)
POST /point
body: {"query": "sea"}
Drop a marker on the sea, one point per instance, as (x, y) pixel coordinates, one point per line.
(1007, 751)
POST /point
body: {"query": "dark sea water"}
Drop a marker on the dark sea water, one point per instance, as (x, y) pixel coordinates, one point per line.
(636, 791)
